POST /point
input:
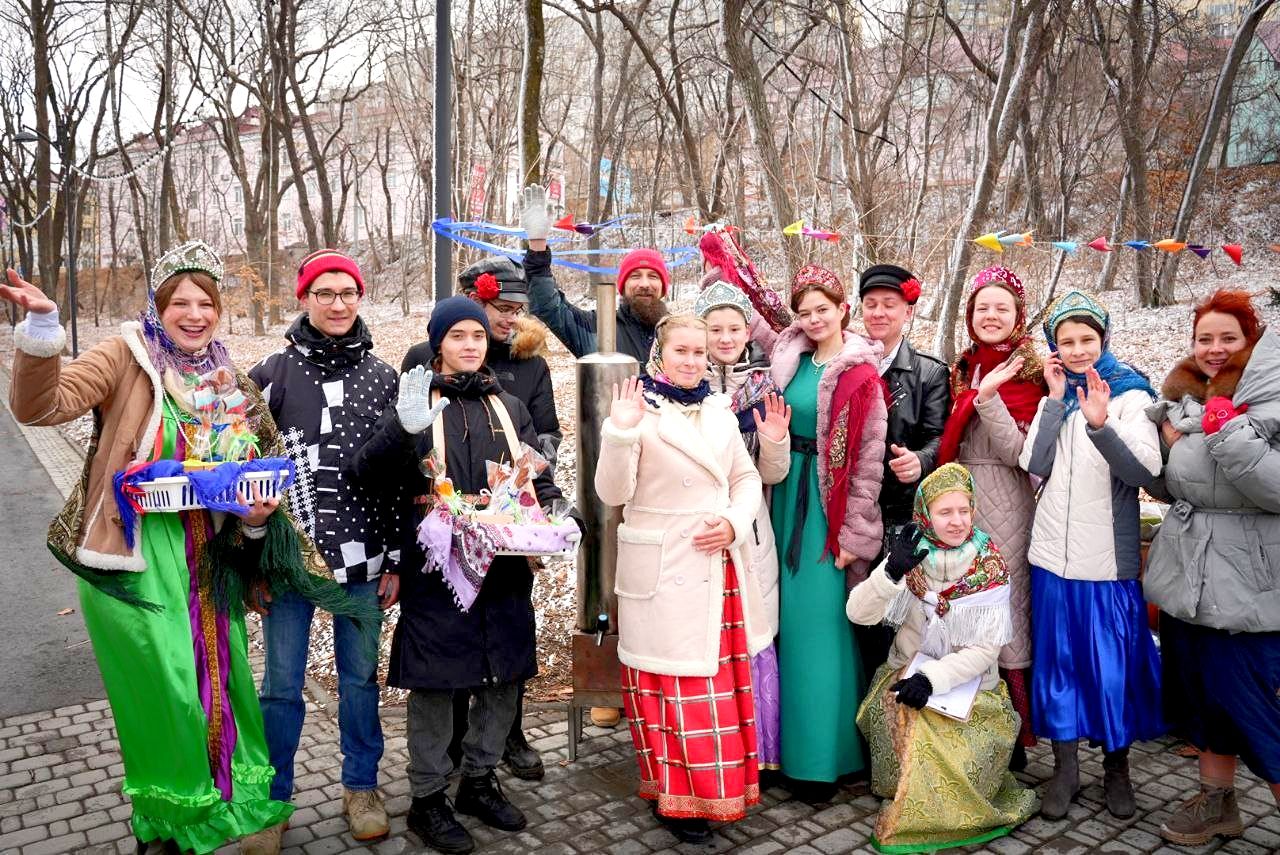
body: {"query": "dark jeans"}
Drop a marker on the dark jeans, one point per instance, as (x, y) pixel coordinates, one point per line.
(431, 729)
(461, 711)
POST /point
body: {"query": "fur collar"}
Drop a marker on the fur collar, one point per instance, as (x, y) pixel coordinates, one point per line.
(1186, 378)
(792, 344)
(530, 339)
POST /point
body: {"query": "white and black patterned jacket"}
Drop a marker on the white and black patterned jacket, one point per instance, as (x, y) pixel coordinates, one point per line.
(326, 394)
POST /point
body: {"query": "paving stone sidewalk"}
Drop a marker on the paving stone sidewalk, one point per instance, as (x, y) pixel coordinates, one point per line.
(61, 775)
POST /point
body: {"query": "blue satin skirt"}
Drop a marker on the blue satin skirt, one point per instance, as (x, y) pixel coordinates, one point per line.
(1096, 671)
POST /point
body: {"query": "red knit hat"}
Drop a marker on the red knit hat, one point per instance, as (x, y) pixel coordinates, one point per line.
(327, 261)
(639, 259)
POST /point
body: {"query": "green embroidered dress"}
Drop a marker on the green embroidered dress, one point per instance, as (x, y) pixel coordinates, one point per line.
(181, 690)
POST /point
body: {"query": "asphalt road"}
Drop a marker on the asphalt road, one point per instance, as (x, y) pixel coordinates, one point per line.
(46, 660)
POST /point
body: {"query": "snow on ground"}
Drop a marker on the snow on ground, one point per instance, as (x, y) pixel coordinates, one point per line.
(1151, 339)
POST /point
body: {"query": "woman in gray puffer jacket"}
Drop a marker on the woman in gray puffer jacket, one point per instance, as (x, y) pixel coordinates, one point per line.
(1214, 568)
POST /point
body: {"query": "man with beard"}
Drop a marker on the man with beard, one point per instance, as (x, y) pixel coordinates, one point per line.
(514, 356)
(643, 282)
(336, 389)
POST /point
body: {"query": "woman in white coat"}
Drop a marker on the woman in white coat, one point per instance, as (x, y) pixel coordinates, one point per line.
(688, 618)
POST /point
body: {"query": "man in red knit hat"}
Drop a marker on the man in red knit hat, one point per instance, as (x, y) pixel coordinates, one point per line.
(337, 389)
(643, 283)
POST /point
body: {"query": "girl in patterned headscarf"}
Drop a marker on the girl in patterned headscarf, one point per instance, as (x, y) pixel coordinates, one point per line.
(945, 586)
(997, 383)
(1096, 674)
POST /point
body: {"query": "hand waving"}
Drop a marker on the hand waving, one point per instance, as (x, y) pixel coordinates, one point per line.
(627, 408)
(999, 375)
(535, 213)
(413, 403)
(1094, 404)
(22, 293)
(1055, 376)
(777, 418)
(905, 553)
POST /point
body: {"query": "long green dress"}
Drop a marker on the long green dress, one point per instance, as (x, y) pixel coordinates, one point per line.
(189, 724)
(818, 662)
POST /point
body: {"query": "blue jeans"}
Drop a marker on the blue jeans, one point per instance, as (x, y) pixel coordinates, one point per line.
(287, 631)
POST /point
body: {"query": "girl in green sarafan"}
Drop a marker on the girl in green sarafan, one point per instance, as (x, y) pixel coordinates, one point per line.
(162, 593)
(827, 524)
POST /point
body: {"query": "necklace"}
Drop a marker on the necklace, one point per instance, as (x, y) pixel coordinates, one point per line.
(825, 361)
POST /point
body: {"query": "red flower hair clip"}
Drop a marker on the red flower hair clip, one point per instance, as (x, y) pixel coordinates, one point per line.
(487, 287)
(911, 290)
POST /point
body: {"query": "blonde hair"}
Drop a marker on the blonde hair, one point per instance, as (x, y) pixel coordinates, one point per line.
(676, 322)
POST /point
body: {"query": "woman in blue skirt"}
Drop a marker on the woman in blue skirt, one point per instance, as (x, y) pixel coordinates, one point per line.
(1096, 673)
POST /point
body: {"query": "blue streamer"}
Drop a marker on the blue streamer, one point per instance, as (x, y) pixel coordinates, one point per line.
(445, 226)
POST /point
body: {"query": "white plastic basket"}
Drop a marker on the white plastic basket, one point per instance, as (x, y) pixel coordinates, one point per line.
(168, 495)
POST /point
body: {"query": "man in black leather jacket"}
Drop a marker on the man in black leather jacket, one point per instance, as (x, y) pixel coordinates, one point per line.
(919, 402)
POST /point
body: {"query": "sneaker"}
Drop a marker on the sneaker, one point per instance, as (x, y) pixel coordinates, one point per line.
(366, 815)
(522, 761)
(481, 796)
(264, 842)
(605, 716)
(1209, 813)
(432, 819)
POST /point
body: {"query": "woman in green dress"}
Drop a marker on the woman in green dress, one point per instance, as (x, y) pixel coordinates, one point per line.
(162, 593)
(827, 524)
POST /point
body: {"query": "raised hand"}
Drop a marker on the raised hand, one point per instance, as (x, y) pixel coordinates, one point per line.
(535, 213)
(905, 553)
(22, 293)
(627, 408)
(1094, 404)
(777, 418)
(1056, 377)
(413, 402)
(999, 375)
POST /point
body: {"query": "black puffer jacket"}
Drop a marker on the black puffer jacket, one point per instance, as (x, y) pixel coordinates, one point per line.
(437, 645)
(919, 402)
(521, 371)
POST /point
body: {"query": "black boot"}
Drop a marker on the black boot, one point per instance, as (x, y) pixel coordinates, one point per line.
(432, 819)
(1018, 760)
(522, 761)
(1116, 786)
(481, 796)
(685, 830)
(1064, 784)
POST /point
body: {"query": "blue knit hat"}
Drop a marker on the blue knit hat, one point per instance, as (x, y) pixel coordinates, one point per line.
(448, 313)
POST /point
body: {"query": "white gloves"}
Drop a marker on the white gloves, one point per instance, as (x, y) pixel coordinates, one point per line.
(413, 405)
(536, 213)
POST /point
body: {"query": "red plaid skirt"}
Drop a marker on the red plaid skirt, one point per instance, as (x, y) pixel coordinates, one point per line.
(695, 737)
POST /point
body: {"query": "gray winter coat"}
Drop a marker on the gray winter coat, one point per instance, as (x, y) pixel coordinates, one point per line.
(1216, 558)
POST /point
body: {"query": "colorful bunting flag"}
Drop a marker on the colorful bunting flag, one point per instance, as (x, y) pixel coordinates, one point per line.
(1067, 246)
(1139, 245)
(990, 241)
(1170, 246)
(1100, 244)
(1235, 252)
(1201, 251)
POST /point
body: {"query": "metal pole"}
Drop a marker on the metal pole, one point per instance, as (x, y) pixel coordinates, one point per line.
(443, 190)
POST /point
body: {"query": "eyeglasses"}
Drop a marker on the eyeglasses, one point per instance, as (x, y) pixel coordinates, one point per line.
(511, 310)
(325, 297)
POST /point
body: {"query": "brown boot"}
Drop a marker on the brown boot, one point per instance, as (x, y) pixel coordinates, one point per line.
(1209, 813)
(264, 842)
(1064, 784)
(1116, 786)
(366, 816)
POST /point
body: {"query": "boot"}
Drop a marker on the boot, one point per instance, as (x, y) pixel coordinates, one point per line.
(431, 818)
(685, 830)
(1018, 759)
(1064, 784)
(366, 815)
(1212, 811)
(1116, 787)
(522, 761)
(481, 796)
(264, 842)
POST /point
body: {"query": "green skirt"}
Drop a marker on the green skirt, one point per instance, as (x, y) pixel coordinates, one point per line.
(948, 780)
(183, 697)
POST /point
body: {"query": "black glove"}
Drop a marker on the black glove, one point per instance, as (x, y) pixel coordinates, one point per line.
(905, 553)
(913, 691)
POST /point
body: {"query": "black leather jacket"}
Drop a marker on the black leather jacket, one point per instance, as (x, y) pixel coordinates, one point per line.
(919, 403)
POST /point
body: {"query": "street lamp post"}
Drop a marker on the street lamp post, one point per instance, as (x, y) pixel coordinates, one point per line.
(61, 145)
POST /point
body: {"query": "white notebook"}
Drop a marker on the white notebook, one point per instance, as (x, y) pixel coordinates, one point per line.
(957, 703)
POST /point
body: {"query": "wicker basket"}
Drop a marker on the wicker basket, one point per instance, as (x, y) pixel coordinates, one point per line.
(167, 495)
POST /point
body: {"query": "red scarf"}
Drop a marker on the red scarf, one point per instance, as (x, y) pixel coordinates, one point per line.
(1021, 395)
(850, 404)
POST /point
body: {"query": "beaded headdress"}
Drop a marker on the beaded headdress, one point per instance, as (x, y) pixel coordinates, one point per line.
(190, 257)
(722, 295)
